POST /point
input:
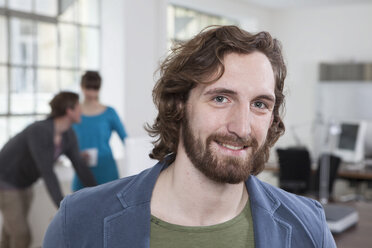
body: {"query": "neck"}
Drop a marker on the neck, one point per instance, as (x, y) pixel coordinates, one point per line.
(90, 101)
(184, 196)
(92, 107)
(61, 124)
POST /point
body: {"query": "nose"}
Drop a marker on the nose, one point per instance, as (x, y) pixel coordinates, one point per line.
(239, 122)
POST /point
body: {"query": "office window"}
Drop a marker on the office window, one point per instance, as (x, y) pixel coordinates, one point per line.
(3, 40)
(45, 46)
(3, 90)
(20, 5)
(88, 12)
(3, 70)
(22, 33)
(184, 23)
(46, 7)
(22, 100)
(89, 44)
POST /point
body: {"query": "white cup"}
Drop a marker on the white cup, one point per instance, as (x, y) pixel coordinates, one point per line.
(92, 156)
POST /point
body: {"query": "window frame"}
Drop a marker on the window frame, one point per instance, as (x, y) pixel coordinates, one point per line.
(36, 19)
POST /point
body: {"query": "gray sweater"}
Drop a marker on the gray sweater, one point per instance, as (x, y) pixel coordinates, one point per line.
(30, 155)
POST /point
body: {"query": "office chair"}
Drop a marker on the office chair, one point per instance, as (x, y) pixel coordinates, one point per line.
(334, 163)
(294, 169)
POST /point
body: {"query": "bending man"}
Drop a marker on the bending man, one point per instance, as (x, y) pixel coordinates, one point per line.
(30, 155)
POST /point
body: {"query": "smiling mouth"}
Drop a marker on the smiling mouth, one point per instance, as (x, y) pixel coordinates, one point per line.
(232, 147)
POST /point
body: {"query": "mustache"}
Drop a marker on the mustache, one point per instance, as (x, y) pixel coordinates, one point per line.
(233, 140)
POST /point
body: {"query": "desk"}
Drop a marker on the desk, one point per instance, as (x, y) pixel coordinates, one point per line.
(343, 171)
(357, 177)
(359, 174)
(360, 234)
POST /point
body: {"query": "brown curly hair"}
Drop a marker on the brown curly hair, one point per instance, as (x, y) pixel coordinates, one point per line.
(191, 63)
(61, 102)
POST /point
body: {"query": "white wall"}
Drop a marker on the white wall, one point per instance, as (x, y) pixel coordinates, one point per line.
(311, 36)
(141, 55)
(113, 63)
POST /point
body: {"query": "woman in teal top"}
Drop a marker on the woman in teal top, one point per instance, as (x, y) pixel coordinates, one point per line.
(94, 132)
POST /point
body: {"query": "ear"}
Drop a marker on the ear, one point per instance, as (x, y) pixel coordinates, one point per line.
(68, 111)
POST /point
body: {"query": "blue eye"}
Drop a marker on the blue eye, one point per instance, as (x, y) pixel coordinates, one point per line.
(260, 105)
(220, 99)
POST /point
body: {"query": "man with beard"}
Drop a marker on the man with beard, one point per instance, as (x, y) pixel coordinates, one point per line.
(219, 98)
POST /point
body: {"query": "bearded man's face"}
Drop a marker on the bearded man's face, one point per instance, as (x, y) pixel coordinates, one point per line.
(226, 123)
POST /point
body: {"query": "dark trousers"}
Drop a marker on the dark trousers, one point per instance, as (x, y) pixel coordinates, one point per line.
(15, 205)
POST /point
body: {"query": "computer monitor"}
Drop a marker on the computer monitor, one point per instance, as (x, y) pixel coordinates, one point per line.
(351, 141)
(368, 145)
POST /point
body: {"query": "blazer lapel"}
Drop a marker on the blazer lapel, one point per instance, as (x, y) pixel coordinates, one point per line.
(131, 226)
(269, 229)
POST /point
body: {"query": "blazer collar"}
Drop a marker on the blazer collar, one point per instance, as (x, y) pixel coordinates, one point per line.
(140, 190)
(145, 182)
(132, 225)
(270, 230)
(260, 196)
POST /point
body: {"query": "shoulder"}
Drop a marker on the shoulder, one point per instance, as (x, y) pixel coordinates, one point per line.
(110, 111)
(298, 205)
(109, 108)
(305, 215)
(81, 215)
(87, 208)
(112, 115)
(40, 129)
(112, 197)
(40, 125)
(103, 197)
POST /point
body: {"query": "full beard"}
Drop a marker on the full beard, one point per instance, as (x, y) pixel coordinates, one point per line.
(221, 168)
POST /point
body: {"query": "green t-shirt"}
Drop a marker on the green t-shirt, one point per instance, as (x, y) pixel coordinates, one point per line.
(235, 233)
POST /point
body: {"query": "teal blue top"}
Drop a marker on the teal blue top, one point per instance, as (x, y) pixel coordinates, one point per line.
(95, 132)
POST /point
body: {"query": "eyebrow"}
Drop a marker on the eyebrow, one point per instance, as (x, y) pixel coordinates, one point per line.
(220, 91)
(232, 92)
(267, 97)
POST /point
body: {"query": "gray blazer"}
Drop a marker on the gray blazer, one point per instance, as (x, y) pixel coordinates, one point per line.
(117, 214)
(29, 155)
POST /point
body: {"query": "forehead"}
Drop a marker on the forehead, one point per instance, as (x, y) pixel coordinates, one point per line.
(247, 74)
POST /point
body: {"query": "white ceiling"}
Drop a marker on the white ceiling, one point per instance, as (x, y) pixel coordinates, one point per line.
(283, 4)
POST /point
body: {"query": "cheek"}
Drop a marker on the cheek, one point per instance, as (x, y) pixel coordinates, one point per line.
(209, 121)
(261, 128)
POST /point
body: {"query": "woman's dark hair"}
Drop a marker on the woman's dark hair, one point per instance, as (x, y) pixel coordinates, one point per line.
(91, 80)
(195, 61)
(61, 102)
